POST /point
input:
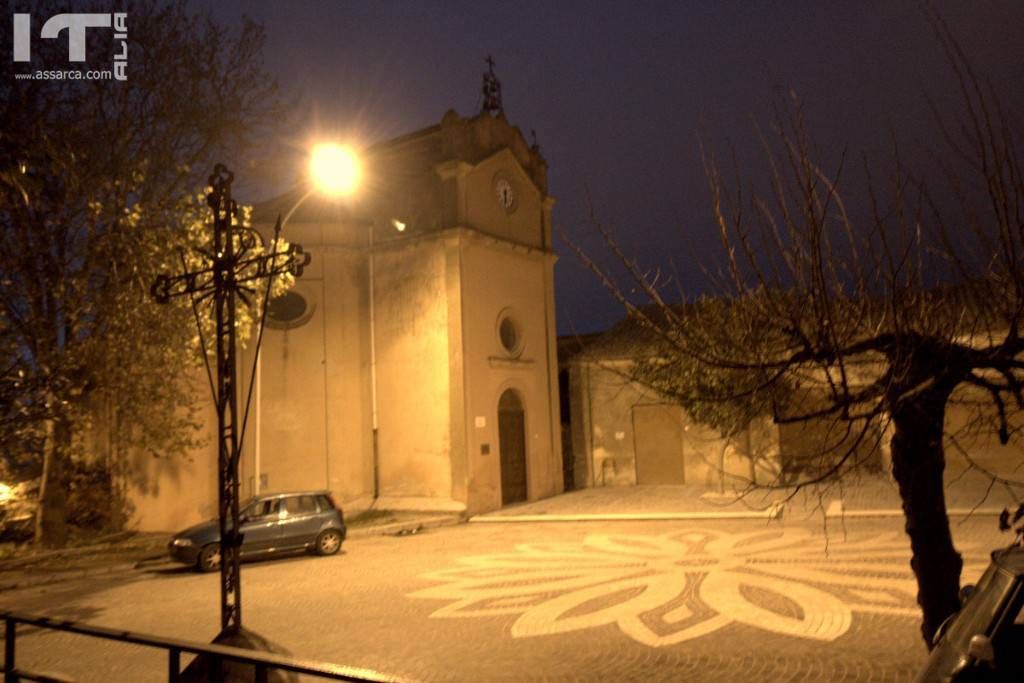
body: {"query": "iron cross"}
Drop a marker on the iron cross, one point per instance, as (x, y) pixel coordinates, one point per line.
(232, 267)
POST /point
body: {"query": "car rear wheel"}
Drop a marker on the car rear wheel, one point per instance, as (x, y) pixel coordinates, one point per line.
(328, 542)
(209, 558)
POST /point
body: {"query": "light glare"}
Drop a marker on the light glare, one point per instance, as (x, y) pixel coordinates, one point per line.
(334, 169)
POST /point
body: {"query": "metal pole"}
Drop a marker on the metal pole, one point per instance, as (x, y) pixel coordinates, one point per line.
(373, 373)
(173, 665)
(9, 634)
(224, 286)
(257, 443)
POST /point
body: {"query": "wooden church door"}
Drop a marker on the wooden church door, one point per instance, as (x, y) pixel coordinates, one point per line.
(512, 442)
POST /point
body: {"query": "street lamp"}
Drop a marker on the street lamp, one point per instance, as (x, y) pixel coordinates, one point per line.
(334, 171)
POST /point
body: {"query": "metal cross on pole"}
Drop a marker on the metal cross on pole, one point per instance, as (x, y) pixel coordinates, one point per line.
(231, 269)
(491, 91)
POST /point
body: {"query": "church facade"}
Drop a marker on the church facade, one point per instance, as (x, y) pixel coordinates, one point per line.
(413, 365)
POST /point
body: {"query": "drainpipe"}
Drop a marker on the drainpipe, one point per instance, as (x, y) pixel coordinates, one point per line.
(373, 373)
(590, 427)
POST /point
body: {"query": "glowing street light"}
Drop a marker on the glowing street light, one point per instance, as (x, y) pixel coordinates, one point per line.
(334, 169)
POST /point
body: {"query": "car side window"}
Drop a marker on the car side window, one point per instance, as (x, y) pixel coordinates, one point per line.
(324, 503)
(301, 505)
(264, 508)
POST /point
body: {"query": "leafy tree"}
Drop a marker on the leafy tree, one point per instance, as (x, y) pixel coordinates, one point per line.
(97, 183)
(866, 327)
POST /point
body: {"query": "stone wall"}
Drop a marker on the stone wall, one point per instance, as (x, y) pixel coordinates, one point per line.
(624, 434)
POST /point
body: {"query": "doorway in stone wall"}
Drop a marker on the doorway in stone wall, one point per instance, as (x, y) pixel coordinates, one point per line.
(512, 442)
(658, 443)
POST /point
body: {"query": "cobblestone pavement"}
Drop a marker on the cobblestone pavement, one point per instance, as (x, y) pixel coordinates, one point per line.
(623, 601)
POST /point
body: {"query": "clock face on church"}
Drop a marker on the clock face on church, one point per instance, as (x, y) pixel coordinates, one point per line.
(506, 195)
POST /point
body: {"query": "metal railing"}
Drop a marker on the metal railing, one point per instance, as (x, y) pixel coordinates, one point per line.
(262, 662)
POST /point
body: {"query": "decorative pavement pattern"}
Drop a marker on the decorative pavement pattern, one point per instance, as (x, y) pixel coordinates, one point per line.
(666, 589)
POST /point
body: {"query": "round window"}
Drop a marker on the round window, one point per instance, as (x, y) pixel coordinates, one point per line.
(288, 310)
(509, 334)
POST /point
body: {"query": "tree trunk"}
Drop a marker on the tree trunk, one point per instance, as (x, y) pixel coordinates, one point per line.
(51, 515)
(721, 465)
(917, 465)
(750, 455)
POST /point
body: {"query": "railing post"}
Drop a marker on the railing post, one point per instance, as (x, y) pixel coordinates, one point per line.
(173, 665)
(214, 671)
(9, 672)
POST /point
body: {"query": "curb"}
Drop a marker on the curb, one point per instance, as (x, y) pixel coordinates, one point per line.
(774, 512)
(952, 512)
(46, 580)
(106, 543)
(406, 528)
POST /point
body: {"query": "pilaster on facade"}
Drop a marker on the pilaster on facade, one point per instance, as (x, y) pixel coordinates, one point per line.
(453, 175)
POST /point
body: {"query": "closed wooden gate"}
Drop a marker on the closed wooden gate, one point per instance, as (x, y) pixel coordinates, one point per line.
(512, 442)
(658, 439)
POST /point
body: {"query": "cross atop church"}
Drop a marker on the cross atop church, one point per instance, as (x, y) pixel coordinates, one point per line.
(491, 91)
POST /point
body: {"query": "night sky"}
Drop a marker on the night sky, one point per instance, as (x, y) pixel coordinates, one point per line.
(618, 93)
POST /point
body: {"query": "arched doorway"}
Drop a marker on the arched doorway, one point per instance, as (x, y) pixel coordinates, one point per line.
(512, 442)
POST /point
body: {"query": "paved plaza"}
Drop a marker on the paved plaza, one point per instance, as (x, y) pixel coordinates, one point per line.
(707, 600)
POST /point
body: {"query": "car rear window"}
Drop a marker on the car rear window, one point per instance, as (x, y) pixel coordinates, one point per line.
(325, 503)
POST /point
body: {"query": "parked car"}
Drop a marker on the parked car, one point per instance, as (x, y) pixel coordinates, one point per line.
(269, 523)
(984, 641)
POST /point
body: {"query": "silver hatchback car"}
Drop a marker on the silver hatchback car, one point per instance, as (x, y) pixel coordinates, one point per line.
(270, 523)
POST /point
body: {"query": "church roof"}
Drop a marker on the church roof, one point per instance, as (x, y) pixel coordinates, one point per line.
(630, 338)
(394, 167)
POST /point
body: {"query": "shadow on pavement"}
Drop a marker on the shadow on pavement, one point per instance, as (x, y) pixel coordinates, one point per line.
(281, 558)
(77, 613)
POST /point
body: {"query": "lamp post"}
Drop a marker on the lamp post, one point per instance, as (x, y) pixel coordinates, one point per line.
(334, 171)
(375, 452)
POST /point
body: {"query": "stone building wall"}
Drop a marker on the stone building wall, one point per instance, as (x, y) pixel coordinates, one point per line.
(624, 434)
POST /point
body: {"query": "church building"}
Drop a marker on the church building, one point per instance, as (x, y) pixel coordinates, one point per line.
(413, 365)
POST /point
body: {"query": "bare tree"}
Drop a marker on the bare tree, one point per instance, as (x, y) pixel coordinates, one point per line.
(863, 328)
